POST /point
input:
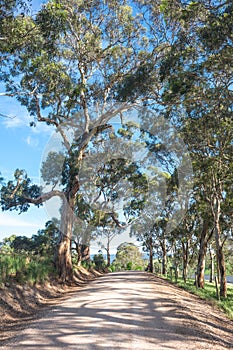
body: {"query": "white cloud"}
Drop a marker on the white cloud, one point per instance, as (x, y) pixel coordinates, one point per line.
(26, 224)
(33, 142)
(18, 117)
(16, 121)
(9, 220)
(19, 120)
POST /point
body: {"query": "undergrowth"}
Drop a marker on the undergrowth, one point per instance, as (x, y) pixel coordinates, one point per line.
(209, 294)
(24, 268)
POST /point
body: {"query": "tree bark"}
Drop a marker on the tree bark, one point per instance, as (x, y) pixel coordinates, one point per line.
(78, 251)
(64, 263)
(151, 265)
(211, 266)
(219, 248)
(202, 255)
(64, 259)
(185, 248)
(164, 259)
(108, 254)
(85, 252)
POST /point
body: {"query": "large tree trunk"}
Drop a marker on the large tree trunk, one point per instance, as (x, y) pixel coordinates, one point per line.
(85, 252)
(64, 259)
(202, 255)
(219, 248)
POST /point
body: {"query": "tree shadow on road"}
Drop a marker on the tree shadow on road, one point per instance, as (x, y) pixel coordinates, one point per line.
(120, 313)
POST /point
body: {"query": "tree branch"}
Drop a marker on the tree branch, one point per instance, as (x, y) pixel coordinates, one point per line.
(44, 197)
(39, 116)
(117, 222)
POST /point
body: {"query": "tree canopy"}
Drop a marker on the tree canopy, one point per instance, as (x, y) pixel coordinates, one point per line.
(102, 74)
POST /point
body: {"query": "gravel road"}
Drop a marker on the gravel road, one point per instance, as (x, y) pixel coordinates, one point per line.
(128, 310)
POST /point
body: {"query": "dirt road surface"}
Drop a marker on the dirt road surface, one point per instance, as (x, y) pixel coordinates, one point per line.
(130, 311)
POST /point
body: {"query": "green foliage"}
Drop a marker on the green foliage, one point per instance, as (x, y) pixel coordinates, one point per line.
(87, 264)
(46, 241)
(209, 293)
(25, 259)
(77, 54)
(17, 194)
(112, 268)
(52, 168)
(43, 243)
(39, 271)
(129, 265)
(21, 244)
(99, 261)
(137, 83)
(25, 268)
(128, 257)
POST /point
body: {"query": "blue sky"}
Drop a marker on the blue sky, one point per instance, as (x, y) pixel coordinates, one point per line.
(36, 4)
(21, 147)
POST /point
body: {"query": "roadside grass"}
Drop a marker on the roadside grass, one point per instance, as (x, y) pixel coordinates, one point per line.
(208, 293)
(22, 268)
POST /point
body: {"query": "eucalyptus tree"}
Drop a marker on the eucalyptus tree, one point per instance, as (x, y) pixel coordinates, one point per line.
(13, 25)
(212, 151)
(128, 257)
(107, 235)
(205, 234)
(15, 31)
(72, 68)
(152, 228)
(119, 189)
(199, 99)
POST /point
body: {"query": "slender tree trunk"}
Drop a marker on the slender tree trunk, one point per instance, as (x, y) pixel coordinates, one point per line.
(151, 265)
(219, 248)
(108, 254)
(164, 259)
(78, 250)
(211, 266)
(185, 248)
(202, 256)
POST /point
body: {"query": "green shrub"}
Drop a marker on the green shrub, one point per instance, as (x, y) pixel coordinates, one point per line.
(25, 268)
(99, 261)
(87, 264)
(129, 265)
(112, 268)
(128, 257)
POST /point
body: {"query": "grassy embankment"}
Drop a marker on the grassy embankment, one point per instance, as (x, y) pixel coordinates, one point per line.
(22, 268)
(209, 294)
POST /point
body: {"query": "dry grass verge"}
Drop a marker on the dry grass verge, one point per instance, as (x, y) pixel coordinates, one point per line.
(20, 304)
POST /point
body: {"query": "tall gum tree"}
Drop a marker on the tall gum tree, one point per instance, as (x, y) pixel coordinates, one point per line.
(198, 96)
(75, 56)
